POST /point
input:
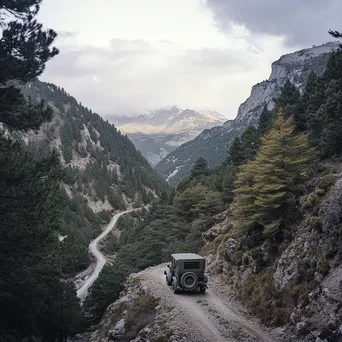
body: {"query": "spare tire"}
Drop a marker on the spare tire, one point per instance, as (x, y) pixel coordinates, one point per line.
(189, 280)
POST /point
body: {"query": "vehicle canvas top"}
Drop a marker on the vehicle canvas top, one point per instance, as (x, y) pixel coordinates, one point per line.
(186, 256)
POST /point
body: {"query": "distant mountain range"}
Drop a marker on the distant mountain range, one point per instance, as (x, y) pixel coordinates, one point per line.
(212, 144)
(159, 132)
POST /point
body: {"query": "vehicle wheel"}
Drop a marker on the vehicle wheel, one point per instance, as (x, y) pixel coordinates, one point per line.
(174, 288)
(202, 290)
(189, 280)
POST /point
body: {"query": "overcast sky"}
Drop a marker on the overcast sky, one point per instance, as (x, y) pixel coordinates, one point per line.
(123, 57)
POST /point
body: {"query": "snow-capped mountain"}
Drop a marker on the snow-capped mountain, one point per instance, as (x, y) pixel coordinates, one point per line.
(212, 144)
(159, 132)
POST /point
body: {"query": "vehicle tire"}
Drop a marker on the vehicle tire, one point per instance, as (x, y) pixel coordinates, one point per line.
(174, 288)
(168, 277)
(189, 280)
(202, 290)
(205, 278)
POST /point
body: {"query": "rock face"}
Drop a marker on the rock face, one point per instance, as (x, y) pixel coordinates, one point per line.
(212, 144)
(309, 268)
(137, 316)
(130, 317)
(158, 133)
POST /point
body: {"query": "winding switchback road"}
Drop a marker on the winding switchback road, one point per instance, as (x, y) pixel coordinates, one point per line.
(100, 258)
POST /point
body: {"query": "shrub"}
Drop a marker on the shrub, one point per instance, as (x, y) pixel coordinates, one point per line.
(319, 192)
(258, 294)
(237, 258)
(323, 266)
(314, 223)
(326, 182)
(309, 201)
(272, 307)
(299, 293)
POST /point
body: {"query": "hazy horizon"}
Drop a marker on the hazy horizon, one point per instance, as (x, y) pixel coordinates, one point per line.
(126, 58)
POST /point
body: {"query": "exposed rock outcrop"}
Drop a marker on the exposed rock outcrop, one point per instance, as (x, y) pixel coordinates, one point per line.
(213, 143)
(305, 280)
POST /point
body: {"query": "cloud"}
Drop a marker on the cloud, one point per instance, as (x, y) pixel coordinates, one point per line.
(66, 34)
(302, 23)
(132, 76)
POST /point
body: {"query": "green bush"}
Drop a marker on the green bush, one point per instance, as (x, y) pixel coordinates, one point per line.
(326, 182)
(323, 266)
(237, 258)
(309, 201)
(314, 223)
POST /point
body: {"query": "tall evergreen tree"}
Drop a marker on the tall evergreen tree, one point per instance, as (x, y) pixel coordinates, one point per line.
(200, 168)
(289, 102)
(250, 141)
(266, 187)
(24, 50)
(34, 301)
(29, 247)
(265, 121)
(235, 156)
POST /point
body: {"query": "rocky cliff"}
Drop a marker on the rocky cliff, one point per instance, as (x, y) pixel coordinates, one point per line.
(212, 144)
(301, 290)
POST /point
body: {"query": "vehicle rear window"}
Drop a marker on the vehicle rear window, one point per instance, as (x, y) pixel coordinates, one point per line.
(193, 265)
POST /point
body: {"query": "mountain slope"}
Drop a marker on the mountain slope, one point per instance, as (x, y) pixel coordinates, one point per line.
(158, 133)
(212, 144)
(103, 170)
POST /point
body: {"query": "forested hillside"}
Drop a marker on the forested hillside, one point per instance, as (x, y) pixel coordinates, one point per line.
(103, 172)
(63, 172)
(268, 218)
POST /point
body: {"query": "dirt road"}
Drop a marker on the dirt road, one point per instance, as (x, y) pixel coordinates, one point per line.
(204, 317)
(100, 258)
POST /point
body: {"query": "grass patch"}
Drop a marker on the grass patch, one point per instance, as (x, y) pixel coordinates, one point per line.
(272, 307)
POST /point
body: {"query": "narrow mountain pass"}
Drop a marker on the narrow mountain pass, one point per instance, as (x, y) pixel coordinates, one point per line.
(204, 317)
(100, 258)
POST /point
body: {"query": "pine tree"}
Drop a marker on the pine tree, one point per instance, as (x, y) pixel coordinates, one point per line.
(289, 96)
(228, 183)
(235, 156)
(265, 121)
(250, 141)
(266, 187)
(24, 50)
(200, 168)
(243, 207)
(289, 101)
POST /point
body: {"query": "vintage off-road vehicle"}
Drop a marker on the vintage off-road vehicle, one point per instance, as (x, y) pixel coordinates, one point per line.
(186, 272)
